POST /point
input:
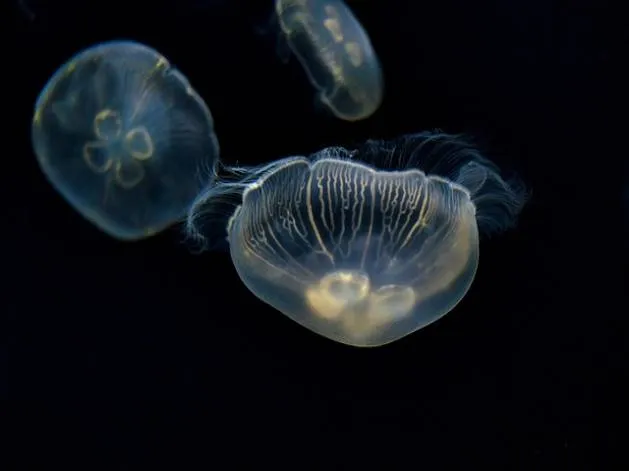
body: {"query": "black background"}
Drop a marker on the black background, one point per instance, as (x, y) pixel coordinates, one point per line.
(130, 355)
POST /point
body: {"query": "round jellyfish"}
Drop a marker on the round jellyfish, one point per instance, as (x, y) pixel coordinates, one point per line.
(367, 246)
(336, 53)
(123, 137)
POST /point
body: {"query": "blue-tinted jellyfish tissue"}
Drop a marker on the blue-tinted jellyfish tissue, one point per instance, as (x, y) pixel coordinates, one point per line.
(124, 138)
(335, 52)
(364, 246)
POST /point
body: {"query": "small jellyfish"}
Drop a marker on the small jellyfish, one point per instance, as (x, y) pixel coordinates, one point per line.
(123, 137)
(361, 255)
(335, 52)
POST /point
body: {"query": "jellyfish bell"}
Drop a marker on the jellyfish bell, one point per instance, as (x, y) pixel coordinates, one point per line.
(335, 53)
(122, 135)
(365, 254)
(353, 253)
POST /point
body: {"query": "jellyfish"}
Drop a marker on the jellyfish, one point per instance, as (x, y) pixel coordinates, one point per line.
(365, 246)
(124, 138)
(336, 53)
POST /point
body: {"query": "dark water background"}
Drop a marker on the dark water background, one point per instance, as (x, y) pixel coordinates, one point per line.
(139, 356)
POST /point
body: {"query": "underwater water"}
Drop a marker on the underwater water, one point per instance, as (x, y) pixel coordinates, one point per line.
(215, 209)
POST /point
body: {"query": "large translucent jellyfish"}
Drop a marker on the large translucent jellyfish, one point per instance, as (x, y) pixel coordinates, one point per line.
(123, 137)
(358, 254)
(336, 53)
